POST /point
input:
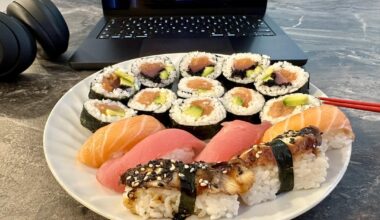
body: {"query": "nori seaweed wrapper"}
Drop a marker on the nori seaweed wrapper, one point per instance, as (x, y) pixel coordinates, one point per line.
(255, 118)
(90, 122)
(201, 132)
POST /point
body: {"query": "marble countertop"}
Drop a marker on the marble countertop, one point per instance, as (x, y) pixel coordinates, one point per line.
(341, 38)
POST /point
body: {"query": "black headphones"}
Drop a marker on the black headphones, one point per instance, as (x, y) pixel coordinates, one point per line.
(25, 22)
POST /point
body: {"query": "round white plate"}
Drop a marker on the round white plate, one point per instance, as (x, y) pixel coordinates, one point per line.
(64, 135)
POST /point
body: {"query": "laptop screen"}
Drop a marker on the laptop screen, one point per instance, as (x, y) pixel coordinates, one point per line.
(181, 7)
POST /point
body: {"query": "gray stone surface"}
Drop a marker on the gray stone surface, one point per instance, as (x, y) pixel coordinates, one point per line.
(341, 37)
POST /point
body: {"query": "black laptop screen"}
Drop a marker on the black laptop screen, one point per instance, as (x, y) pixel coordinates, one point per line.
(180, 7)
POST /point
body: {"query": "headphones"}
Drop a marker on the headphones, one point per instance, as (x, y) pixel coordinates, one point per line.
(25, 22)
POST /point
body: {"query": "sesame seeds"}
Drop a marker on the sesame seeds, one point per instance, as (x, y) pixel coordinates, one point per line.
(203, 182)
(257, 155)
(186, 166)
(172, 167)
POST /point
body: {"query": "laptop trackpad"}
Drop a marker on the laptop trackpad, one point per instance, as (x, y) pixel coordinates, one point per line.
(174, 45)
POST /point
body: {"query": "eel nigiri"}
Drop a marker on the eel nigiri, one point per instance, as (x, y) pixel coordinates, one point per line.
(172, 189)
(235, 137)
(169, 143)
(332, 122)
(117, 138)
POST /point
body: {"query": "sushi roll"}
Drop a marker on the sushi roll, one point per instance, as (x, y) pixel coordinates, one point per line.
(282, 78)
(162, 189)
(278, 109)
(292, 161)
(243, 68)
(155, 71)
(201, 116)
(201, 64)
(115, 84)
(98, 113)
(173, 189)
(243, 103)
(196, 86)
(153, 101)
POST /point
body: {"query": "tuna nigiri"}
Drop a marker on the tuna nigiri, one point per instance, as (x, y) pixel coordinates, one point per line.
(169, 143)
(332, 122)
(235, 137)
(115, 138)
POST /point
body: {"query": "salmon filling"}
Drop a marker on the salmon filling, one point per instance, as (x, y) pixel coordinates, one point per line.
(278, 109)
(111, 82)
(240, 67)
(103, 107)
(244, 94)
(199, 84)
(197, 64)
(151, 70)
(203, 104)
(147, 97)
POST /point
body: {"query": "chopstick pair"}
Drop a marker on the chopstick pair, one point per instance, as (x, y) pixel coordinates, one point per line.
(365, 106)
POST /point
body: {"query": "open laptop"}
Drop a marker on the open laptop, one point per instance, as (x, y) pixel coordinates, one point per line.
(134, 28)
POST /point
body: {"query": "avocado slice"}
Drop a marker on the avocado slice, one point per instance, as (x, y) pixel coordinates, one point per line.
(111, 112)
(207, 71)
(194, 111)
(267, 74)
(126, 82)
(169, 68)
(161, 99)
(124, 75)
(296, 100)
(202, 90)
(237, 101)
(254, 72)
(164, 74)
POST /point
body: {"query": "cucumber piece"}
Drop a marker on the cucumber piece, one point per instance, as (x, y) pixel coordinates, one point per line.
(164, 74)
(111, 112)
(169, 68)
(252, 73)
(267, 74)
(296, 100)
(161, 99)
(194, 111)
(237, 101)
(124, 75)
(207, 71)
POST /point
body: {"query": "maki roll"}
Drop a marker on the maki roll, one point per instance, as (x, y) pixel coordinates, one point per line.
(200, 64)
(155, 71)
(200, 116)
(153, 101)
(243, 103)
(278, 109)
(196, 86)
(98, 113)
(282, 78)
(243, 68)
(115, 84)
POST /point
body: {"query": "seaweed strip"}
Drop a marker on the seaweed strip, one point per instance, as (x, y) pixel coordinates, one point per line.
(188, 194)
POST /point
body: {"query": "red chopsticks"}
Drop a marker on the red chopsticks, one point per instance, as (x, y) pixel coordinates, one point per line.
(366, 106)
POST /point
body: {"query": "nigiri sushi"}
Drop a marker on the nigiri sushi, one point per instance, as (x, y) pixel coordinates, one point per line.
(117, 138)
(172, 189)
(334, 124)
(169, 143)
(235, 137)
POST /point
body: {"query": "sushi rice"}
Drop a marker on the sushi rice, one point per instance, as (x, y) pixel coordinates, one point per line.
(173, 74)
(254, 105)
(186, 60)
(185, 91)
(154, 107)
(300, 84)
(265, 114)
(262, 61)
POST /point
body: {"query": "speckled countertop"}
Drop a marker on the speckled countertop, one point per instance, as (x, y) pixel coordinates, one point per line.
(341, 38)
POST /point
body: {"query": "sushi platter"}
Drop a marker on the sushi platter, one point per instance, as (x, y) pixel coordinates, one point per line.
(180, 108)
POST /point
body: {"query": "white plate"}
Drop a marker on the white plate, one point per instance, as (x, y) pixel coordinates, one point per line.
(63, 136)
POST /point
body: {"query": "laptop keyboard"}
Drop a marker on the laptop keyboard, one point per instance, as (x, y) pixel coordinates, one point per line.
(189, 26)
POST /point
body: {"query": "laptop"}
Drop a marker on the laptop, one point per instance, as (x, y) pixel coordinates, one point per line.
(135, 28)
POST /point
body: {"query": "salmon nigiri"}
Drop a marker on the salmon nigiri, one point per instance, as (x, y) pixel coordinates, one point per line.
(169, 144)
(235, 137)
(117, 138)
(332, 122)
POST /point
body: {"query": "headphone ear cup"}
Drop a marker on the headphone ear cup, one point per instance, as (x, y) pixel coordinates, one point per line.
(45, 22)
(18, 47)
